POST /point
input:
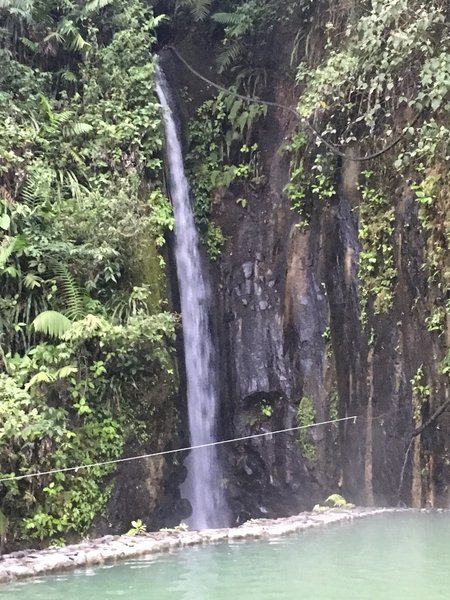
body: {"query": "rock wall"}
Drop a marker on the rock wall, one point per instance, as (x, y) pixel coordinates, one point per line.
(288, 314)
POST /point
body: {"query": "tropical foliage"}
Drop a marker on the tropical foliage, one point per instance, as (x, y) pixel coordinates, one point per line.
(85, 337)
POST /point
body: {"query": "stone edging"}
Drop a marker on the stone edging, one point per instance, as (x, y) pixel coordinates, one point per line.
(30, 563)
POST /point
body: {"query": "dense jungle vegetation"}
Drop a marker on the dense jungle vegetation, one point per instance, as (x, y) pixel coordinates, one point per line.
(86, 333)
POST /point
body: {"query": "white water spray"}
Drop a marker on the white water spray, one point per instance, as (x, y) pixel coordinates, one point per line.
(203, 486)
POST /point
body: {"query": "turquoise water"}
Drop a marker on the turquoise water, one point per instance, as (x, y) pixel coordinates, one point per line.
(381, 558)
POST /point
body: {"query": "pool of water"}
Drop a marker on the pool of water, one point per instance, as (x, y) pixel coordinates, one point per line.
(398, 557)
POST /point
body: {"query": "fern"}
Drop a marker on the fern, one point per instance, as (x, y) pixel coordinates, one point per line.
(37, 189)
(69, 76)
(229, 55)
(51, 376)
(232, 19)
(52, 323)
(77, 129)
(198, 8)
(71, 293)
(63, 117)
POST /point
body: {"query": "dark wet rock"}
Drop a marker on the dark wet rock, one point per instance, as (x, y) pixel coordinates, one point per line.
(247, 269)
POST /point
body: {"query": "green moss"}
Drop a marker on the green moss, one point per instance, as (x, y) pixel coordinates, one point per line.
(148, 270)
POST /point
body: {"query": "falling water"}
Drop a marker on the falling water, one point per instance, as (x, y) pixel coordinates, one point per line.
(203, 483)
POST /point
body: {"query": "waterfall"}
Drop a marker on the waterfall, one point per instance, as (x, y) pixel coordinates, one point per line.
(203, 486)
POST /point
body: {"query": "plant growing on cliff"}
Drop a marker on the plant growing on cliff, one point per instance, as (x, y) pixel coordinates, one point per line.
(361, 83)
(246, 32)
(377, 272)
(306, 416)
(333, 501)
(421, 393)
(220, 154)
(137, 528)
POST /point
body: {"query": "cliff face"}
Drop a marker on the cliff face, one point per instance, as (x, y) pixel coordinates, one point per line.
(291, 330)
(297, 346)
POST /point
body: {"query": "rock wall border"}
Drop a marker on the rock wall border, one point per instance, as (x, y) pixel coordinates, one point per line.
(110, 549)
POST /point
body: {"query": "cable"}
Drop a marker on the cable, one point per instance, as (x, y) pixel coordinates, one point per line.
(302, 120)
(166, 452)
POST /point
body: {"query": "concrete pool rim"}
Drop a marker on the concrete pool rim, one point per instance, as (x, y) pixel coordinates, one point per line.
(110, 549)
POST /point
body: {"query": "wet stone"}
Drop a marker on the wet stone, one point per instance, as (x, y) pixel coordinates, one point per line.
(247, 269)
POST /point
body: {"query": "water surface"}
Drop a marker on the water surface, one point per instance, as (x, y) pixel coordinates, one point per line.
(381, 558)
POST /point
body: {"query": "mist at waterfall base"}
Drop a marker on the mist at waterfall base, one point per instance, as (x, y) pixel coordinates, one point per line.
(387, 557)
(203, 485)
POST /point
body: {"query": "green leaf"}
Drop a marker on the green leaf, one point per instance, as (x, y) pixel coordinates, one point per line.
(52, 323)
(5, 221)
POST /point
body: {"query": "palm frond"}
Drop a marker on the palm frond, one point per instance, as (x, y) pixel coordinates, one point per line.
(31, 281)
(66, 371)
(72, 36)
(52, 323)
(51, 376)
(41, 377)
